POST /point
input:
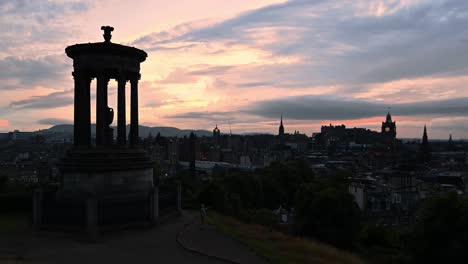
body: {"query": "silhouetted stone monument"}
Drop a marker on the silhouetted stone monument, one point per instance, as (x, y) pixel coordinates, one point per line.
(106, 183)
(106, 165)
(107, 170)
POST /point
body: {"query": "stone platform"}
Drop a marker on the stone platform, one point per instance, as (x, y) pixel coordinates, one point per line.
(109, 169)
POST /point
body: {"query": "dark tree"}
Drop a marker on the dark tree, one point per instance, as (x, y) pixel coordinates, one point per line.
(328, 214)
(441, 232)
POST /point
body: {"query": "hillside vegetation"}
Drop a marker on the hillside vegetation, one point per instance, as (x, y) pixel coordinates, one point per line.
(280, 248)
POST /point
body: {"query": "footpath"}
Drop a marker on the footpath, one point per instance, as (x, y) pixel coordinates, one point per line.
(208, 241)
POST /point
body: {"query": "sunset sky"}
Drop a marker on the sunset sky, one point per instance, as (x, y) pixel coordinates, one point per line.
(246, 62)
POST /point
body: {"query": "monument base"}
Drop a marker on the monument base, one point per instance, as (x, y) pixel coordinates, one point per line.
(108, 170)
(102, 187)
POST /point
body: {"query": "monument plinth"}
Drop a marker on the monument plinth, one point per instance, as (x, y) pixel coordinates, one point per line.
(108, 165)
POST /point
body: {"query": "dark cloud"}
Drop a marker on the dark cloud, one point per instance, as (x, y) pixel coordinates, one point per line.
(161, 39)
(255, 84)
(41, 10)
(54, 121)
(330, 108)
(153, 104)
(52, 100)
(27, 73)
(342, 42)
(26, 23)
(171, 48)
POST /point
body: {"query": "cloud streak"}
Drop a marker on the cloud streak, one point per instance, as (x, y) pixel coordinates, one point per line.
(26, 73)
(341, 42)
(212, 116)
(52, 100)
(54, 121)
(333, 108)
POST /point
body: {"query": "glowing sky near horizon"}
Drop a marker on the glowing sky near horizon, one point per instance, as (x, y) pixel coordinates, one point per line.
(244, 63)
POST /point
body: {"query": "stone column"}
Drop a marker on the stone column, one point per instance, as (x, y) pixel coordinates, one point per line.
(82, 109)
(134, 111)
(101, 109)
(121, 122)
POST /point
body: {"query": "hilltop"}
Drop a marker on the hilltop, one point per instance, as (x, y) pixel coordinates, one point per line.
(144, 131)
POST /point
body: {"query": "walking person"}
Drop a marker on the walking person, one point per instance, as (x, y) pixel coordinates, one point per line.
(202, 214)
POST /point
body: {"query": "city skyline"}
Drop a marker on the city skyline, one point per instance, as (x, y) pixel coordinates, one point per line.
(315, 62)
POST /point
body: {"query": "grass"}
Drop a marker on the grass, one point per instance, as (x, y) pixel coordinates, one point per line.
(14, 223)
(280, 248)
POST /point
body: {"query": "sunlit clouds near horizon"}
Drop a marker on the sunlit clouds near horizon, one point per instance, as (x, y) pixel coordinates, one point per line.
(242, 64)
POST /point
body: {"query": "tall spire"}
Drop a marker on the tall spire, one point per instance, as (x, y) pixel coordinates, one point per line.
(281, 127)
(425, 147)
(425, 139)
(389, 118)
(451, 145)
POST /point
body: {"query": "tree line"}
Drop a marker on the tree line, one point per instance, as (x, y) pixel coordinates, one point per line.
(327, 212)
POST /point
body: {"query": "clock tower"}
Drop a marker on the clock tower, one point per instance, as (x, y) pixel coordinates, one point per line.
(389, 127)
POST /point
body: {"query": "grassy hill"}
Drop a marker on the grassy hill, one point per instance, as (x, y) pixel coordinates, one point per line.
(279, 248)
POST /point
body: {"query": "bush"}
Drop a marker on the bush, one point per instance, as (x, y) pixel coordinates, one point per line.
(263, 217)
(441, 232)
(232, 204)
(3, 182)
(372, 236)
(260, 217)
(212, 196)
(328, 214)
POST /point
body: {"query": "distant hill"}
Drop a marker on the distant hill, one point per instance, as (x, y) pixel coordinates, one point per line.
(170, 131)
(64, 128)
(144, 131)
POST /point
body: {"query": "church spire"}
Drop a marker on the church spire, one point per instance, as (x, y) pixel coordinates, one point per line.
(281, 127)
(425, 140)
(451, 145)
(425, 148)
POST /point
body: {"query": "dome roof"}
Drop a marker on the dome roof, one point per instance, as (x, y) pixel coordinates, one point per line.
(105, 48)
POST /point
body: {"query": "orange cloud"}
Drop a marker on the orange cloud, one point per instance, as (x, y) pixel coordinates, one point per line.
(4, 123)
